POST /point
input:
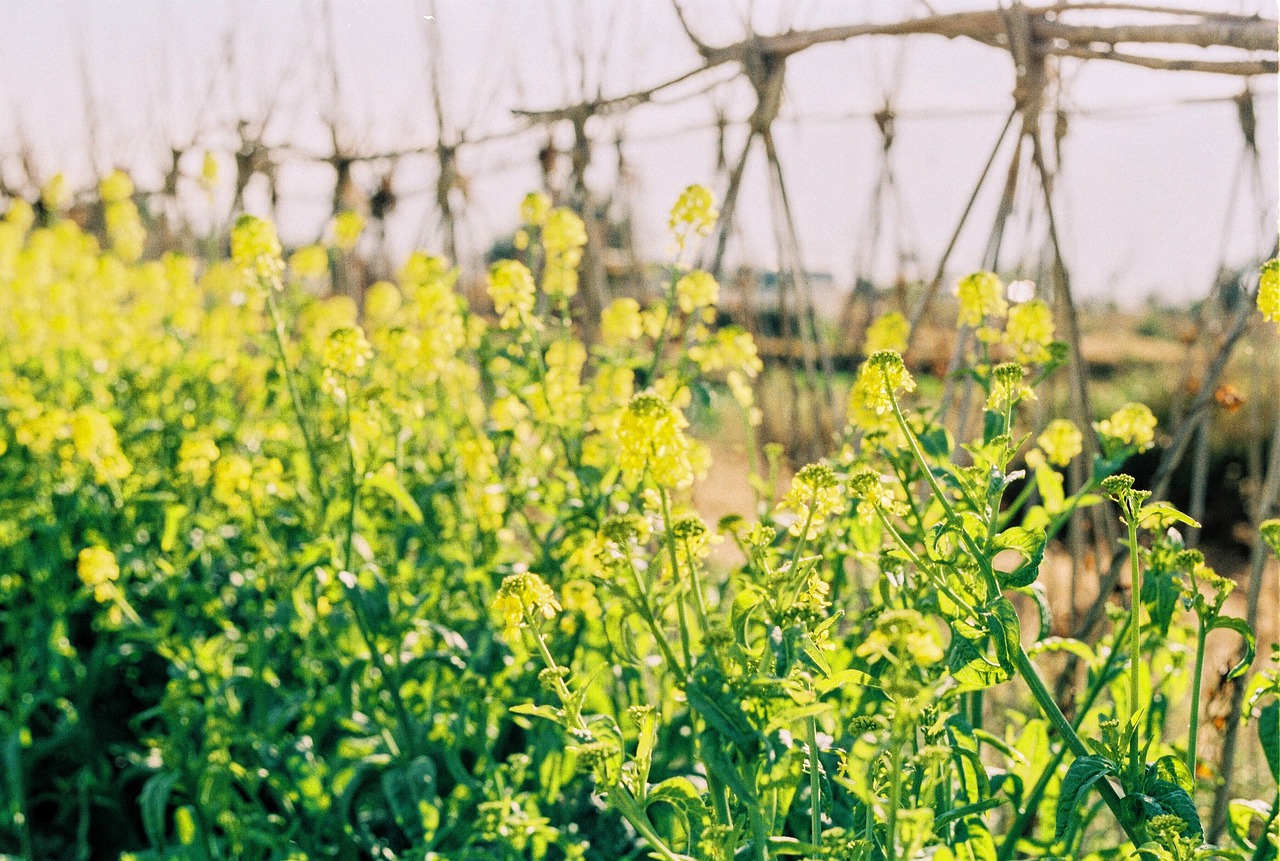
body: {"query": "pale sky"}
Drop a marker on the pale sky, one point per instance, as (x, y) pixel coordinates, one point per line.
(1144, 196)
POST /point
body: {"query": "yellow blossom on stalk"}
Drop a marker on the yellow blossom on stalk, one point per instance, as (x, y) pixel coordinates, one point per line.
(346, 228)
(562, 385)
(95, 440)
(731, 348)
(20, 214)
(620, 322)
(55, 195)
(255, 250)
(650, 434)
(513, 292)
(880, 377)
(563, 237)
(381, 301)
(346, 352)
(524, 593)
(902, 635)
(99, 571)
(195, 458)
(1132, 424)
(1061, 441)
(310, 261)
(888, 332)
(1269, 291)
(1007, 387)
(535, 208)
(232, 481)
(124, 226)
(814, 494)
(696, 289)
(873, 495)
(981, 296)
(694, 214)
(209, 170)
(1029, 331)
(115, 186)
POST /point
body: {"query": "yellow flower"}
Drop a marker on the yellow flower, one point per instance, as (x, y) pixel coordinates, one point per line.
(255, 250)
(99, 571)
(888, 332)
(534, 208)
(196, 456)
(310, 261)
(1006, 386)
(1132, 424)
(1030, 331)
(1269, 291)
(873, 494)
(563, 237)
(731, 348)
(694, 214)
(524, 593)
(95, 440)
(346, 352)
(209, 171)
(981, 296)
(381, 301)
(814, 495)
(115, 186)
(1061, 441)
(620, 322)
(513, 292)
(697, 289)
(650, 434)
(346, 228)
(562, 385)
(55, 195)
(871, 399)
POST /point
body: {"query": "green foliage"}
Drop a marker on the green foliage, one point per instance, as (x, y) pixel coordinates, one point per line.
(282, 578)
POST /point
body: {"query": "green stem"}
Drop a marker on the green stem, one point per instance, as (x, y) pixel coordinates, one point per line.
(895, 788)
(1194, 730)
(661, 340)
(1032, 803)
(670, 539)
(623, 800)
(1063, 727)
(277, 328)
(815, 785)
(1135, 641)
(647, 612)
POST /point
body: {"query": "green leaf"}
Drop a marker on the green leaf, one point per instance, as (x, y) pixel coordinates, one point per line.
(1030, 545)
(1241, 627)
(551, 713)
(683, 798)
(390, 485)
(1037, 594)
(1269, 735)
(153, 802)
(846, 677)
(709, 696)
(971, 668)
(1081, 650)
(1174, 799)
(1159, 515)
(1080, 778)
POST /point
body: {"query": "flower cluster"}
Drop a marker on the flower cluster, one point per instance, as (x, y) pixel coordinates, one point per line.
(563, 238)
(696, 290)
(889, 332)
(814, 496)
(1060, 441)
(1269, 291)
(694, 214)
(255, 250)
(1131, 425)
(524, 595)
(650, 436)
(513, 292)
(981, 297)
